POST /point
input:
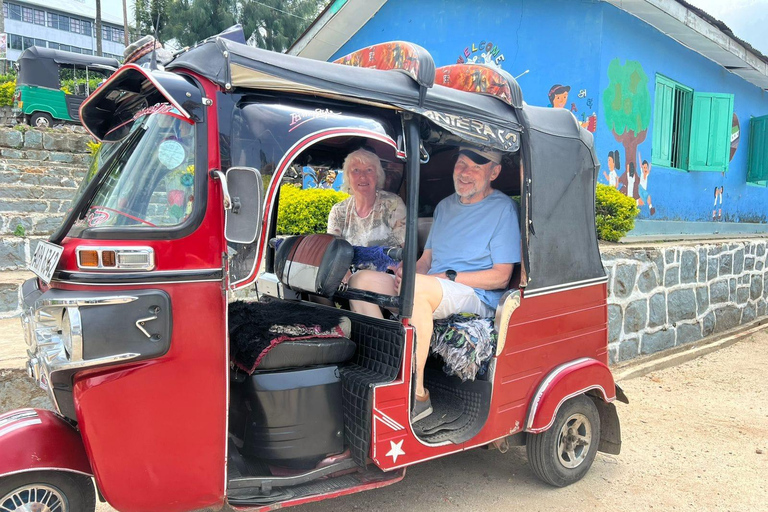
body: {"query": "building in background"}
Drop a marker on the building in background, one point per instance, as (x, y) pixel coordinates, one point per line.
(63, 25)
(677, 103)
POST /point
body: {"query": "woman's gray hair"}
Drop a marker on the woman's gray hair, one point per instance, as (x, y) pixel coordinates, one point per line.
(367, 158)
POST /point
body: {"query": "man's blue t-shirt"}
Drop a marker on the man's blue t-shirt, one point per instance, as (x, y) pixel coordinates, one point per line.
(468, 237)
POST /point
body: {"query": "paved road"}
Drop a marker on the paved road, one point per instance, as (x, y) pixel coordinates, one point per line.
(695, 439)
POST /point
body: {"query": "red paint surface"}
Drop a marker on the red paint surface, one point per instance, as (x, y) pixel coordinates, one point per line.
(51, 443)
(544, 333)
(155, 431)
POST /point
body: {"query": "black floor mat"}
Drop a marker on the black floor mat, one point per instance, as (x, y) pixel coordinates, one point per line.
(447, 408)
(476, 399)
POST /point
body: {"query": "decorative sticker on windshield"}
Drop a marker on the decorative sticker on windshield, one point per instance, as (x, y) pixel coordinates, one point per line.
(96, 217)
(171, 153)
(300, 117)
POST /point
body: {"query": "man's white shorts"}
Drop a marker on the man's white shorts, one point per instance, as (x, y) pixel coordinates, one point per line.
(460, 298)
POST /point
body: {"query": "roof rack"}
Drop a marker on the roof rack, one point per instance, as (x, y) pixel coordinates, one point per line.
(409, 58)
(481, 79)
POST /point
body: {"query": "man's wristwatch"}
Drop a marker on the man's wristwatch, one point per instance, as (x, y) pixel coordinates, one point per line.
(450, 274)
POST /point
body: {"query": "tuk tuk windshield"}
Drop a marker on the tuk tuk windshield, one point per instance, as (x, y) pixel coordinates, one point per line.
(151, 179)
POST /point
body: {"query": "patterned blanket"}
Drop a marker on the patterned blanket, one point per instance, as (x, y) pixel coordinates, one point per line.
(466, 343)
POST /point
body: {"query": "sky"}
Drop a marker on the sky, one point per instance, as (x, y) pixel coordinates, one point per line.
(748, 19)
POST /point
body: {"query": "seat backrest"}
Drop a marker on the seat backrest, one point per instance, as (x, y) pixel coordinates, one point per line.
(313, 263)
(425, 224)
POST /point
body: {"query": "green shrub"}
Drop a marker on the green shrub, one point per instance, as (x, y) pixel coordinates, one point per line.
(302, 212)
(6, 93)
(614, 213)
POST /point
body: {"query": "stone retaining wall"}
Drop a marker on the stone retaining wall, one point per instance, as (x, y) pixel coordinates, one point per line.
(664, 296)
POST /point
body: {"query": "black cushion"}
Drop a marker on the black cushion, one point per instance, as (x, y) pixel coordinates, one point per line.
(310, 352)
(313, 263)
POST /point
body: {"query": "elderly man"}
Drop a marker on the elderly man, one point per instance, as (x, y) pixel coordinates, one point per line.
(467, 262)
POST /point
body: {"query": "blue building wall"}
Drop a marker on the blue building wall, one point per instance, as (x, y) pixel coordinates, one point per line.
(573, 44)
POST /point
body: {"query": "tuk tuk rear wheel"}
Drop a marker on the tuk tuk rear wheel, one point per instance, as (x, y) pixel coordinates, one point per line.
(41, 120)
(47, 491)
(563, 454)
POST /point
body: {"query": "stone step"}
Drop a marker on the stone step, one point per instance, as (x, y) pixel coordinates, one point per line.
(10, 292)
(48, 157)
(35, 177)
(17, 191)
(29, 206)
(22, 164)
(31, 224)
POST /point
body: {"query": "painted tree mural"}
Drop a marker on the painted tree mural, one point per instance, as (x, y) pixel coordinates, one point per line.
(627, 105)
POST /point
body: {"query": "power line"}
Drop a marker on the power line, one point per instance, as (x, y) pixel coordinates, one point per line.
(278, 10)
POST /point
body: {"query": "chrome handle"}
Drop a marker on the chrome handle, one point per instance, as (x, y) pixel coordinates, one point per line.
(140, 324)
(227, 199)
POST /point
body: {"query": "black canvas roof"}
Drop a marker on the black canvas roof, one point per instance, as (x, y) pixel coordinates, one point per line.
(39, 66)
(233, 65)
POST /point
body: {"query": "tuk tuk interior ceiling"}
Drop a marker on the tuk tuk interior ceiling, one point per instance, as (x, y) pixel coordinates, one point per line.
(623, 80)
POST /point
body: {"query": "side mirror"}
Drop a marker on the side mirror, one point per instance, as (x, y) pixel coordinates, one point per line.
(243, 191)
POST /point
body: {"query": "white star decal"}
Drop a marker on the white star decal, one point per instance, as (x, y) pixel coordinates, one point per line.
(396, 451)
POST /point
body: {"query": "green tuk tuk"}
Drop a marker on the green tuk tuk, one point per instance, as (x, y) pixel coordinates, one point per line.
(52, 84)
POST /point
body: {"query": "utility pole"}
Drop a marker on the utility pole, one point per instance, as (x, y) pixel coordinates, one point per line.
(125, 22)
(98, 28)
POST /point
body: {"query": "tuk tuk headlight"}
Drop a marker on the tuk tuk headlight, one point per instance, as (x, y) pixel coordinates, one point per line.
(72, 333)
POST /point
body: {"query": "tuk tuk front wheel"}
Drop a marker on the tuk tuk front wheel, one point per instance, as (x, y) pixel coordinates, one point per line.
(47, 491)
(41, 120)
(563, 454)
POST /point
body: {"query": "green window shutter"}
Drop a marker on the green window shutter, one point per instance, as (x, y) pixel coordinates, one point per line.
(662, 122)
(757, 170)
(710, 132)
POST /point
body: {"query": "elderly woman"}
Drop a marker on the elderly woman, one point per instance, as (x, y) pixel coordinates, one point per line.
(371, 216)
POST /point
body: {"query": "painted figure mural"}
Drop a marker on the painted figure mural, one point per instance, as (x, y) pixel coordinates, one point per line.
(627, 105)
(614, 163)
(558, 98)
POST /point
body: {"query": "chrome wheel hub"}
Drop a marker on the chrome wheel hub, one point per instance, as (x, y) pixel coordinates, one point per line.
(35, 498)
(574, 441)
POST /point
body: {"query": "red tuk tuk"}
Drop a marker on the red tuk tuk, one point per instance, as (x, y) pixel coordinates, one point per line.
(130, 329)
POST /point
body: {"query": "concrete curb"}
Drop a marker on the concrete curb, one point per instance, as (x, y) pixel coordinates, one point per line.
(643, 366)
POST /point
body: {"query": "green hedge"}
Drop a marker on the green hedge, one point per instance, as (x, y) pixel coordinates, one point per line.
(302, 212)
(6, 93)
(614, 213)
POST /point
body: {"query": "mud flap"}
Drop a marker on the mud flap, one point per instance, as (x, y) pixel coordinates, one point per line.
(610, 429)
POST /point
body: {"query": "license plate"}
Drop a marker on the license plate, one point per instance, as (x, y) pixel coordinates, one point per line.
(45, 260)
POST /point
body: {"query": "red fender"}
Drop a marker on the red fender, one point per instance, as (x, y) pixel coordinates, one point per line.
(564, 382)
(36, 439)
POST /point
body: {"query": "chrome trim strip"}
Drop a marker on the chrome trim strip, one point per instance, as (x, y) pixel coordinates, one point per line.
(17, 416)
(284, 165)
(21, 424)
(557, 409)
(29, 470)
(87, 363)
(566, 286)
(77, 302)
(545, 385)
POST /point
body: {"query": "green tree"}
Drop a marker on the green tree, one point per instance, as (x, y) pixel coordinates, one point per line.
(148, 13)
(276, 24)
(627, 105)
(195, 20)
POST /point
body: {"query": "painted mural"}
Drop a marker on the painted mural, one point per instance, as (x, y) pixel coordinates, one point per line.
(485, 53)
(627, 104)
(558, 98)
